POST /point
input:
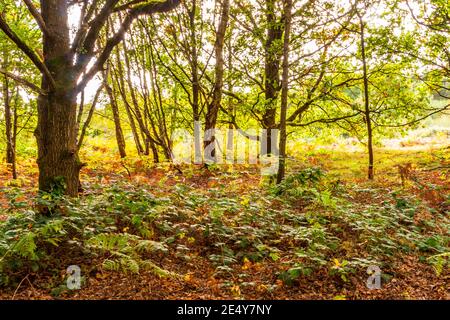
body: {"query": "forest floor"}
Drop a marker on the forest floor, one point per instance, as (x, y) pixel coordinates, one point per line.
(225, 233)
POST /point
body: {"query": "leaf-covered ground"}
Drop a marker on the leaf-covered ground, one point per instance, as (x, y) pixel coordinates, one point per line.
(145, 232)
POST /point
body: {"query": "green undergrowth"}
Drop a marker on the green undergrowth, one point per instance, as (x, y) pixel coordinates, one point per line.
(308, 223)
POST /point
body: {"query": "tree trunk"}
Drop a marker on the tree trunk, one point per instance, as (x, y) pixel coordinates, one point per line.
(230, 133)
(8, 121)
(366, 100)
(88, 118)
(14, 140)
(56, 135)
(284, 90)
(10, 126)
(213, 107)
(140, 118)
(57, 149)
(271, 70)
(154, 151)
(195, 85)
(116, 116)
(121, 84)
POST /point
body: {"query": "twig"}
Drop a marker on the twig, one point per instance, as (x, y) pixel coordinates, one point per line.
(128, 171)
(20, 283)
(23, 81)
(437, 168)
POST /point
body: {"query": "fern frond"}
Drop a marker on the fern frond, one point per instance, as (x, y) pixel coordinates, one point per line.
(162, 273)
(150, 246)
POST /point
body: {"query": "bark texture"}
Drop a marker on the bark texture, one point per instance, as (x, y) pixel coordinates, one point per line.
(284, 89)
(213, 107)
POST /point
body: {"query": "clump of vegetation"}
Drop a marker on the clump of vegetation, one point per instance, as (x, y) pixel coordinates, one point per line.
(112, 227)
(309, 224)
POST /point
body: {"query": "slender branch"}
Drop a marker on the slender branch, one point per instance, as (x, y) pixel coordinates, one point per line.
(89, 117)
(434, 27)
(86, 14)
(327, 121)
(86, 47)
(416, 120)
(127, 5)
(37, 16)
(148, 9)
(27, 51)
(24, 82)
